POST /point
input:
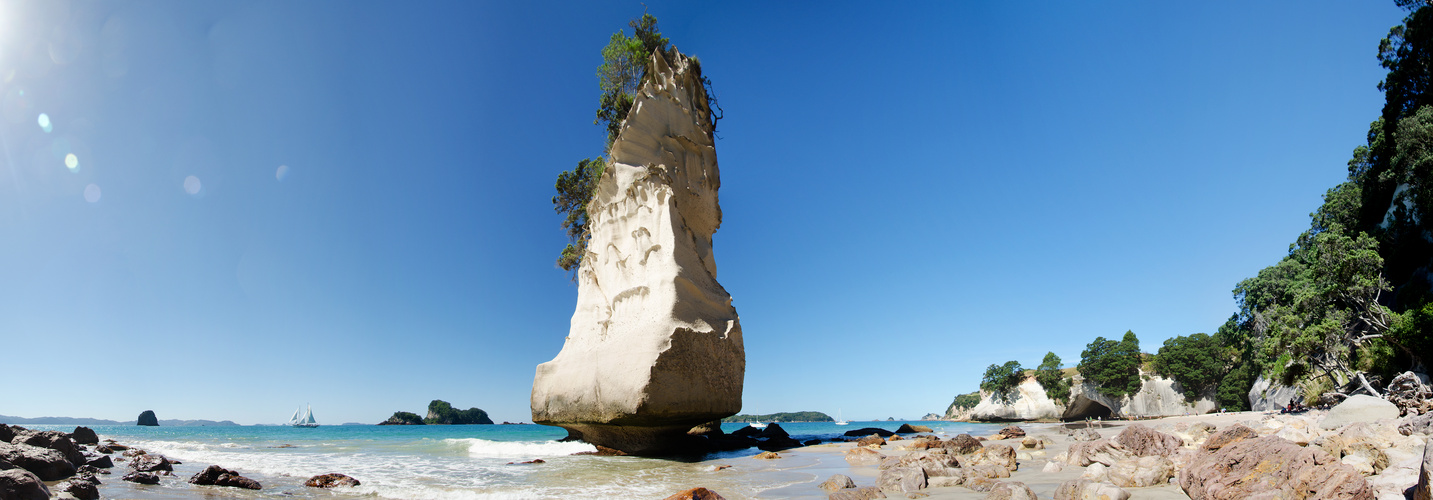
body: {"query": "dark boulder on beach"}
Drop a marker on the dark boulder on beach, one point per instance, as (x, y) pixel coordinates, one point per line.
(80, 488)
(151, 463)
(102, 462)
(147, 418)
(1011, 432)
(20, 484)
(708, 429)
(696, 494)
(141, 477)
(773, 431)
(912, 429)
(54, 440)
(218, 476)
(868, 431)
(778, 444)
(84, 435)
(49, 465)
(747, 431)
(331, 480)
(7, 433)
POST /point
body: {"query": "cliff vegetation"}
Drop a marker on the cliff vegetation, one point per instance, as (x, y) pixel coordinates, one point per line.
(797, 416)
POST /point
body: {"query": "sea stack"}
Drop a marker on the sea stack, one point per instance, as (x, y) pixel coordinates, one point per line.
(655, 346)
(147, 418)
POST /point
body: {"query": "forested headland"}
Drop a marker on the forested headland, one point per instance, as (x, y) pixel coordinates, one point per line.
(1349, 307)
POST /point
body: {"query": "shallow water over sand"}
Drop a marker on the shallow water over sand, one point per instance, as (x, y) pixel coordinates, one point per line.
(464, 462)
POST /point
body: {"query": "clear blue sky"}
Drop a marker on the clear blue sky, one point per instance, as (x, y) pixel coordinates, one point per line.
(911, 191)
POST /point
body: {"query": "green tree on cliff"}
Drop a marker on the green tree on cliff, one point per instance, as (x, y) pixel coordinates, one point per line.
(1112, 365)
(624, 67)
(1057, 387)
(1001, 381)
(1197, 362)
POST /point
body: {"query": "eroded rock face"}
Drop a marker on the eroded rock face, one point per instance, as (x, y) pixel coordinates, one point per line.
(1157, 397)
(1030, 403)
(1270, 395)
(655, 346)
(1271, 467)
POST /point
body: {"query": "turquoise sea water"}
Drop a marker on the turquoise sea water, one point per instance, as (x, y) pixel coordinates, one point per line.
(459, 462)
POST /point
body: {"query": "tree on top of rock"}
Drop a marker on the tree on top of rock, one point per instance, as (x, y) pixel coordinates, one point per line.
(1112, 366)
(1197, 362)
(625, 62)
(1001, 381)
(1057, 387)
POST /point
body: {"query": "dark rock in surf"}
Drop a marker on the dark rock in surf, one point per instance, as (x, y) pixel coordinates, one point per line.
(331, 480)
(84, 435)
(868, 431)
(103, 462)
(141, 477)
(218, 476)
(147, 418)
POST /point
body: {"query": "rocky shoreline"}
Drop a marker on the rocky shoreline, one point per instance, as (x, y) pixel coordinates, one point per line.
(38, 465)
(1357, 450)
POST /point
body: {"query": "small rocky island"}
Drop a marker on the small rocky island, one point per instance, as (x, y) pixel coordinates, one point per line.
(440, 413)
(147, 418)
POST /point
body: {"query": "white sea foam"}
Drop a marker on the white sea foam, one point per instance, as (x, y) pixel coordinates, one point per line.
(482, 448)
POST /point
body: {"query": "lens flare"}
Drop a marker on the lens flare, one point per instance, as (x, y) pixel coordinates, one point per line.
(72, 162)
(282, 172)
(92, 193)
(191, 185)
(45, 123)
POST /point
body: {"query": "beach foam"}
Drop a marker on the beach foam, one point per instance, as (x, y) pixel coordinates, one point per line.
(482, 448)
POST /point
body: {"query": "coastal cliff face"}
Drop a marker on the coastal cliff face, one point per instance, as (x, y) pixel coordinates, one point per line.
(1031, 404)
(655, 346)
(1270, 395)
(1158, 396)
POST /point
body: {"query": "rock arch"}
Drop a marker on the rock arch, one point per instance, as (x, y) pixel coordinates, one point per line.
(1081, 408)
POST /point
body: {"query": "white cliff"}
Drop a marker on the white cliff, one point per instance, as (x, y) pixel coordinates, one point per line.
(1157, 397)
(1268, 395)
(1031, 403)
(655, 346)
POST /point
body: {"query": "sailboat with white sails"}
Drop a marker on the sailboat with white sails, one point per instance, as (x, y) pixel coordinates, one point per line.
(303, 417)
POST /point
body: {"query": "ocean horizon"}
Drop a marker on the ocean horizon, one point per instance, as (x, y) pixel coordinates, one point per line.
(464, 461)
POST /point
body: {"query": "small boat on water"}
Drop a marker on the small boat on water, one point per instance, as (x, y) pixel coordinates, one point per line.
(758, 425)
(840, 420)
(303, 417)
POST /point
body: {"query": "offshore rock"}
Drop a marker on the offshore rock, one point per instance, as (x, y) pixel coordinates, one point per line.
(655, 346)
(147, 418)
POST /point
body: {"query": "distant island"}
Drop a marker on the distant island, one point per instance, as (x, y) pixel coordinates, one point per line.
(440, 413)
(11, 420)
(798, 416)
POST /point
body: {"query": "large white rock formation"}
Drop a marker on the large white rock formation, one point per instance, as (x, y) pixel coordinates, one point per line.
(655, 345)
(1031, 403)
(1157, 397)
